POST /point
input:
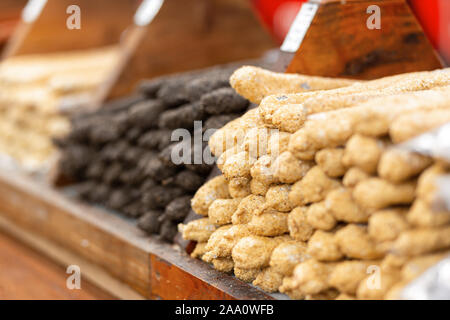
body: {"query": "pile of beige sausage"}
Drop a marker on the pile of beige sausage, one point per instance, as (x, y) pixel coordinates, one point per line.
(316, 200)
(33, 90)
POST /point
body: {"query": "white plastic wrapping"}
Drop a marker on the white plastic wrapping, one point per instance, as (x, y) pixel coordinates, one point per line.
(434, 284)
(435, 143)
(442, 202)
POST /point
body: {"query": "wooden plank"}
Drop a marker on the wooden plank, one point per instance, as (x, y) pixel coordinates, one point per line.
(338, 42)
(114, 244)
(89, 271)
(102, 23)
(188, 35)
(24, 274)
(77, 228)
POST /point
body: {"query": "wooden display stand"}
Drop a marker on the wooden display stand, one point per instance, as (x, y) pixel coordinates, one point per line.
(60, 227)
(176, 36)
(332, 38)
(45, 31)
(188, 35)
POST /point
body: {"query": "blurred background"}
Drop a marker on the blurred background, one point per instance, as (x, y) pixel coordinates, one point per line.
(49, 74)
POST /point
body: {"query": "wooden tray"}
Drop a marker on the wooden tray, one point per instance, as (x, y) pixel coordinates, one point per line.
(153, 269)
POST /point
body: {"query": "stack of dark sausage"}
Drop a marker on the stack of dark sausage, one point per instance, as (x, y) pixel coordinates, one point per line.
(121, 156)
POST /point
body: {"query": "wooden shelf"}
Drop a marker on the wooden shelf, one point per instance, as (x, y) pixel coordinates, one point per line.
(153, 269)
(37, 277)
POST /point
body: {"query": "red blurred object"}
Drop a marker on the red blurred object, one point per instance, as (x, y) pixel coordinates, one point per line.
(434, 15)
(278, 15)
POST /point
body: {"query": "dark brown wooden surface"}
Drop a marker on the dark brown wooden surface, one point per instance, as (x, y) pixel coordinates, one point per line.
(152, 268)
(339, 44)
(188, 35)
(26, 275)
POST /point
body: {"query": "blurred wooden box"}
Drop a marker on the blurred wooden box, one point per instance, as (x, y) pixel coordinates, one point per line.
(183, 35)
(188, 35)
(9, 18)
(58, 226)
(332, 38)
